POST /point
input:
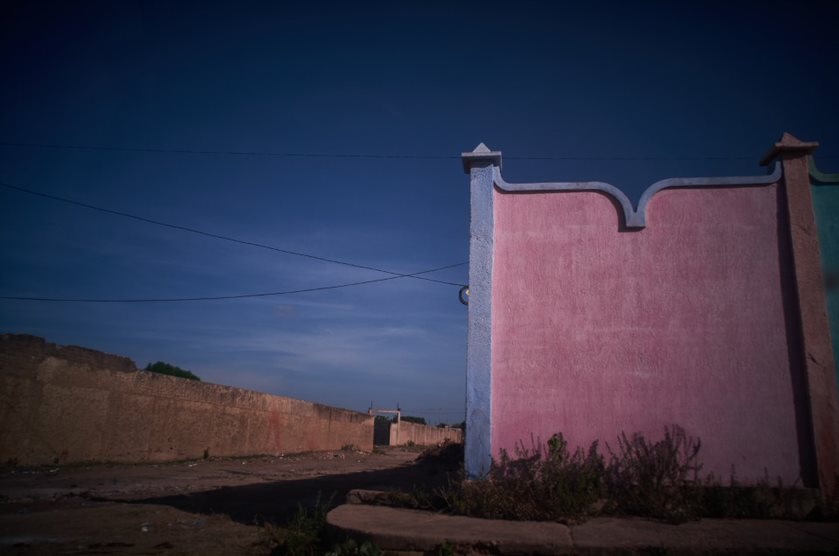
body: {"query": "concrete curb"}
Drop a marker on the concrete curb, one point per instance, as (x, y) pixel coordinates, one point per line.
(397, 530)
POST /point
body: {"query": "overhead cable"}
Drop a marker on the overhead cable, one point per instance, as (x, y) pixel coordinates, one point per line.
(227, 238)
(410, 156)
(221, 152)
(217, 297)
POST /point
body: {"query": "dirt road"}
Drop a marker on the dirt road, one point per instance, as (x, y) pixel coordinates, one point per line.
(213, 506)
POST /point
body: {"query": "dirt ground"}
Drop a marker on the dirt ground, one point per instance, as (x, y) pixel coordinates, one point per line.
(214, 506)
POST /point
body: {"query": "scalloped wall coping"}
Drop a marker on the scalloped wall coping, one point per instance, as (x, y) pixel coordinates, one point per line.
(634, 216)
(822, 178)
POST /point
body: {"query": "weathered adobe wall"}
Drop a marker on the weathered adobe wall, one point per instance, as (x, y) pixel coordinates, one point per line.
(405, 432)
(70, 404)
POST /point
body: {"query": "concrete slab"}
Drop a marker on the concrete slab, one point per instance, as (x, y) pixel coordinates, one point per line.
(396, 529)
(708, 536)
(404, 531)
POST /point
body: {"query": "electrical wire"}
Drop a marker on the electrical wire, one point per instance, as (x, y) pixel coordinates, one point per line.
(218, 297)
(275, 154)
(227, 238)
(228, 153)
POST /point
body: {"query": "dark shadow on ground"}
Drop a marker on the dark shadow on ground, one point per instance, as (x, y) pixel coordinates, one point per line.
(277, 502)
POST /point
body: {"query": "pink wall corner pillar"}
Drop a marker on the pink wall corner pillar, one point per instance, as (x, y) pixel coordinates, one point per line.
(818, 356)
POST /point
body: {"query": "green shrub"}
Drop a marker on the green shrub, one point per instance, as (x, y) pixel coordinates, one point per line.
(410, 419)
(166, 369)
(308, 534)
(305, 534)
(763, 500)
(640, 478)
(643, 478)
(544, 483)
(655, 479)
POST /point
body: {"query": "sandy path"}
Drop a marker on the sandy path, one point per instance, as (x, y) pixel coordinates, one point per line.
(209, 506)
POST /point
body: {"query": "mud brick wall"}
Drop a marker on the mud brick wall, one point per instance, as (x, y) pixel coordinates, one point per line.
(65, 404)
(404, 432)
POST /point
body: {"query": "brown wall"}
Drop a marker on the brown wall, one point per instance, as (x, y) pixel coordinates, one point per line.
(405, 432)
(68, 404)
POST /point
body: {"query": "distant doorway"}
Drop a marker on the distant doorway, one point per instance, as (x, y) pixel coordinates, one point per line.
(383, 423)
(381, 431)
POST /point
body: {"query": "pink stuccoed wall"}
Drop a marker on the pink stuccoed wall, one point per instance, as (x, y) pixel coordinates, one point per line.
(597, 331)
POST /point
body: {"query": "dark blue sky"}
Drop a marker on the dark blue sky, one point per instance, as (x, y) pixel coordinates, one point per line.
(647, 81)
